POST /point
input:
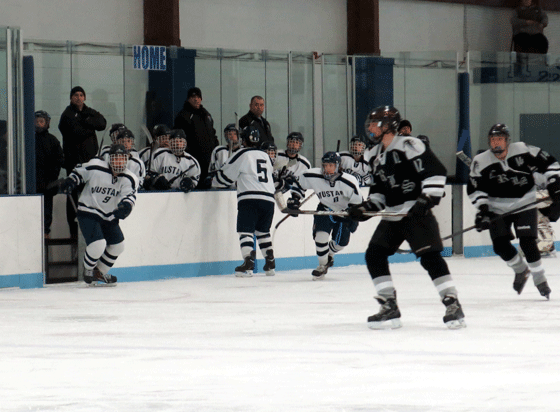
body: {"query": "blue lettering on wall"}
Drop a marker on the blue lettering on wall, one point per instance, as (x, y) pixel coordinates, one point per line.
(149, 57)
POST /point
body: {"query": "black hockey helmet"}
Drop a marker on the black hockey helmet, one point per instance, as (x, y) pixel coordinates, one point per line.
(41, 114)
(177, 141)
(160, 130)
(251, 136)
(271, 149)
(126, 138)
(404, 123)
(383, 116)
(114, 131)
(499, 129)
(118, 157)
(228, 134)
(332, 158)
(294, 143)
(358, 145)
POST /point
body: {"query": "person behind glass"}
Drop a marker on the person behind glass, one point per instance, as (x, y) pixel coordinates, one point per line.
(78, 124)
(353, 162)
(198, 125)
(174, 168)
(408, 180)
(528, 23)
(49, 158)
(222, 153)
(405, 129)
(502, 180)
(255, 118)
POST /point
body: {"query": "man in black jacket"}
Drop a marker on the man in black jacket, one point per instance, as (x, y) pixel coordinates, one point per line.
(78, 124)
(48, 162)
(255, 118)
(198, 125)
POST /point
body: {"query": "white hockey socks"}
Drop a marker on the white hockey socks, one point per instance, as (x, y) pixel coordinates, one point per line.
(110, 255)
(93, 252)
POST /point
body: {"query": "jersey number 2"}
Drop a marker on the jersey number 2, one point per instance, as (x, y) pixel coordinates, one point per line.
(261, 169)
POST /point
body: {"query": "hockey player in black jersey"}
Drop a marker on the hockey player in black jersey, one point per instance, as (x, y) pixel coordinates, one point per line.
(109, 194)
(251, 168)
(501, 180)
(407, 178)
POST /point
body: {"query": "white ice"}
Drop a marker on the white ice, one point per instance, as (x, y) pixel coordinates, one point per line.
(282, 343)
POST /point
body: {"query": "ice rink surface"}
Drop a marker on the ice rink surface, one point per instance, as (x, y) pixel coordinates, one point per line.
(282, 343)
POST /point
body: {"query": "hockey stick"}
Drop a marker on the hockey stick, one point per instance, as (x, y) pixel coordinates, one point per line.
(464, 158)
(153, 144)
(286, 217)
(182, 173)
(340, 213)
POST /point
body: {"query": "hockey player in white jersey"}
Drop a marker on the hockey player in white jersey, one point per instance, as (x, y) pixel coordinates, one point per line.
(336, 191)
(270, 149)
(252, 170)
(160, 134)
(353, 162)
(109, 194)
(174, 168)
(501, 179)
(222, 153)
(290, 162)
(125, 137)
(408, 179)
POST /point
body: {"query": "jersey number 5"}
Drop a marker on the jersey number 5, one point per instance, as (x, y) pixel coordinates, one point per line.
(261, 169)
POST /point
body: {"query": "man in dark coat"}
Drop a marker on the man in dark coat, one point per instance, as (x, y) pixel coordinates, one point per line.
(48, 162)
(198, 125)
(255, 118)
(78, 124)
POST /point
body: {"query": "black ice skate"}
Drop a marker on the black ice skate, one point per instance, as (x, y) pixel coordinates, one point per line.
(544, 289)
(246, 269)
(99, 279)
(454, 317)
(520, 280)
(88, 276)
(389, 316)
(321, 270)
(270, 263)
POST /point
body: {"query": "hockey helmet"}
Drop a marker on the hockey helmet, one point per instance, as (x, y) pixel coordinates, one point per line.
(114, 131)
(271, 149)
(161, 134)
(42, 126)
(382, 116)
(498, 130)
(126, 138)
(358, 145)
(251, 136)
(294, 143)
(328, 159)
(405, 123)
(177, 142)
(118, 158)
(231, 135)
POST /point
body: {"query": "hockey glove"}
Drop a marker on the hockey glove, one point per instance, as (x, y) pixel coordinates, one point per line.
(149, 180)
(553, 188)
(356, 212)
(483, 218)
(123, 210)
(161, 183)
(552, 211)
(422, 206)
(293, 203)
(187, 184)
(67, 186)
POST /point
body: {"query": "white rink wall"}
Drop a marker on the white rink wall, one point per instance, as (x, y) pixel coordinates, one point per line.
(174, 234)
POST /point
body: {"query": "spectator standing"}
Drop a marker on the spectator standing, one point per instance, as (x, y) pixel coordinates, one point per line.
(49, 158)
(255, 118)
(78, 124)
(198, 125)
(528, 23)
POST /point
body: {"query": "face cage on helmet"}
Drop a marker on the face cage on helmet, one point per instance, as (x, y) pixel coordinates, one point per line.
(291, 150)
(127, 142)
(177, 146)
(330, 176)
(357, 148)
(118, 163)
(272, 154)
(232, 144)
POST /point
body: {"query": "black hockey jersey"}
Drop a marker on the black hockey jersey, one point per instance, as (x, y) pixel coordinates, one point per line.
(403, 171)
(508, 184)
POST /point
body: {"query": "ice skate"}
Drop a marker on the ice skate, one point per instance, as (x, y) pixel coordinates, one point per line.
(389, 316)
(330, 262)
(88, 276)
(100, 279)
(270, 263)
(520, 280)
(322, 270)
(246, 269)
(544, 289)
(454, 317)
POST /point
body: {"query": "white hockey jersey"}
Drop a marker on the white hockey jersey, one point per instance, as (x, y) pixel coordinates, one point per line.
(102, 191)
(295, 166)
(252, 169)
(360, 169)
(334, 195)
(175, 168)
